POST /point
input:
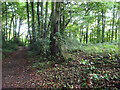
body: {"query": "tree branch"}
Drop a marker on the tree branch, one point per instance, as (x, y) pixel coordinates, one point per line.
(66, 23)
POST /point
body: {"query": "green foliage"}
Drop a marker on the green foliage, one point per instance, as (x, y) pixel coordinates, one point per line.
(3, 56)
(41, 46)
(100, 48)
(83, 61)
(71, 44)
(9, 46)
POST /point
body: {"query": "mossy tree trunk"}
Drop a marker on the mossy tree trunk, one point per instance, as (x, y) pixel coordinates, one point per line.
(55, 19)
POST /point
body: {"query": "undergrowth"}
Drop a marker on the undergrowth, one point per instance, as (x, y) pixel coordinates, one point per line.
(8, 47)
(94, 66)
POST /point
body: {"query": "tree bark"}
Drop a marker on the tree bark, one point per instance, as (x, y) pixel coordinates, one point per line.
(11, 24)
(87, 34)
(84, 39)
(116, 29)
(113, 23)
(103, 26)
(46, 14)
(54, 28)
(15, 25)
(52, 39)
(116, 33)
(109, 34)
(20, 23)
(119, 27)
(27, 6)
(98, 30)
(33, 27)
(80, 34)
(62, 21)
(38, 17)
(6, 20)
(42, 29)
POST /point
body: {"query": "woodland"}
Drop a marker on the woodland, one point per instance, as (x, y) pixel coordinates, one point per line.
(65, 45)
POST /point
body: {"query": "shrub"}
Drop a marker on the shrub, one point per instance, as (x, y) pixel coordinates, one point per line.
(41, 46)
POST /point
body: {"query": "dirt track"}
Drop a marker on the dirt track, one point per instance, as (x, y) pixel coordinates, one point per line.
(16, 70)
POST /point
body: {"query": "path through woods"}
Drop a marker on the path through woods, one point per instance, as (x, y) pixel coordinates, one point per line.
(16, 71)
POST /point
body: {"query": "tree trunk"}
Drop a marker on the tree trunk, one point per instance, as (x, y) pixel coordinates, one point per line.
(116, 33)
(42, 29)
(84, 39)
(20, 23)
(6, 20)
(90, 37)
(28, 20)
(80, 34)
(87, 34)
(33, 27)
(38, 17)
(62, 21)
(54, 28)
(11, 24)
(3, 38)
(15, 26)
(119, 27)
(109, 35)
(46, 14)
(113, 24)
(52, 40)
(116, 29)
(98, 30)
(26, 39)
(103, 26)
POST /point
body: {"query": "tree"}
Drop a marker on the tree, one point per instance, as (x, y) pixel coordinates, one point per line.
(54, 27)
(20, 23)
(103, 25)
(119, 26)
(87, 34)
(65, 19)
(113, 23)
(42, 29)
(33, 27)
(38, 17)
(116, 30)
(98, 29)
(11, 24)
(81, 34)
(6, 20)
(27, 5)
(45, 25)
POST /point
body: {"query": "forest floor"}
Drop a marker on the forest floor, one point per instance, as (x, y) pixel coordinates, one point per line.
(86, 71)
(16, 70)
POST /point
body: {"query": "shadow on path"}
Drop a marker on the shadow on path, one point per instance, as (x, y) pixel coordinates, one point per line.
(16, 70)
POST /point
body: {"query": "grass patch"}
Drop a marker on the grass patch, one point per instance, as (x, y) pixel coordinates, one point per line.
(100, 48)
